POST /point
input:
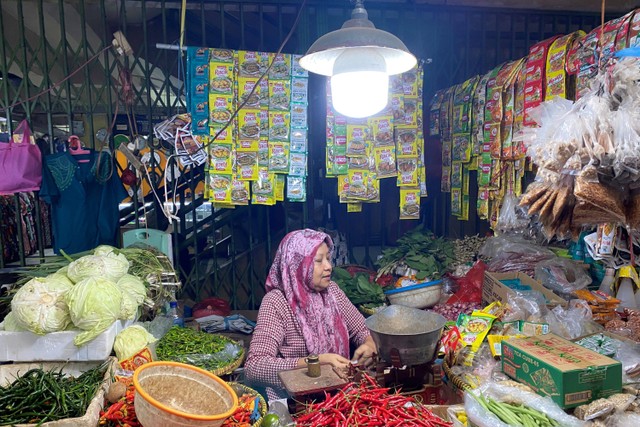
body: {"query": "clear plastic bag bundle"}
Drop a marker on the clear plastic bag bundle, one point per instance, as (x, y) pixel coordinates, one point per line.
(562, 275)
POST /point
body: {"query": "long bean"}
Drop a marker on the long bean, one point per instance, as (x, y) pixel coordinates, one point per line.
(515, 415)
(39, 396)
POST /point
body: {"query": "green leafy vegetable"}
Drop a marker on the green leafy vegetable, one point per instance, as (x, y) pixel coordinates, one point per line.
(419, 250)
(358, 288)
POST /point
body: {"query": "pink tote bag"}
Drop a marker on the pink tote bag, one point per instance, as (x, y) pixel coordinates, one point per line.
(20, 162)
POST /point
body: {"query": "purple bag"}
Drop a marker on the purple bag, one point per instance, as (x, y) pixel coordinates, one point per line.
(20, 162)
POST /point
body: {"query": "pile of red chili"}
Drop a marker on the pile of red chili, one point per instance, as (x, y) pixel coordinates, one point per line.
(367, 404)
(121, 413)
(242, 416)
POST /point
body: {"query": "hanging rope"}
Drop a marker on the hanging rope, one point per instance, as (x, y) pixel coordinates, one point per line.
(602, 9)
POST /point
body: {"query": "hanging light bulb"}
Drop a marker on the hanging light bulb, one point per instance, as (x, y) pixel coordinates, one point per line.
(359, 84)
(359, 58)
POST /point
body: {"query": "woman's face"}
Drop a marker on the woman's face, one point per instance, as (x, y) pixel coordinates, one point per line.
(321, 268)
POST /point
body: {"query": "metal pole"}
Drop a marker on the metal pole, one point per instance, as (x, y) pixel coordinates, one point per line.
(65, 63)
(87, 75)
(7, 103)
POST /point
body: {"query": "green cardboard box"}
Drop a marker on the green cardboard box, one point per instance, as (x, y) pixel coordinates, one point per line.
(568, 373)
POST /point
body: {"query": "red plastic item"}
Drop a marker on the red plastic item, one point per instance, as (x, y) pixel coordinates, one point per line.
(211, 306)
(470, 286)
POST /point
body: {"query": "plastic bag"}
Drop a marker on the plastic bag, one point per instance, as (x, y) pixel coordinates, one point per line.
(512, 218)
(481, 417)
(159, 326)
(558, 136)
(470, 286)
(595, 409)
(212, 361)
(573, 321)
(628, 355)
(626, 167)
(562, 275)
(623, 420)
(604, 202)
(530, 306)
(512, 244)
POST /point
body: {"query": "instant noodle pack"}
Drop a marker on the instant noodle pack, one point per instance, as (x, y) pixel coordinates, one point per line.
(260, 156)
(361, 152)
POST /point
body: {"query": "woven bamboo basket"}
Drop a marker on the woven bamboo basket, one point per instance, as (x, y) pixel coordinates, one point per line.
(231, 366)
(241, 389)
(455, 379)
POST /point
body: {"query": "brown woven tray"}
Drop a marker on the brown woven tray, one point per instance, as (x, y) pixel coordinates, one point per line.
(455, 379)
(231, 366)
(241, 389)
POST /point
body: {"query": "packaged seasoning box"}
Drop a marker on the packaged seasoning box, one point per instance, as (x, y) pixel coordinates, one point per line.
(569, 374)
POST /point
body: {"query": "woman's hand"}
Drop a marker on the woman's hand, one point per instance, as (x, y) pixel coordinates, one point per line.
(364, 353)
(335, 359)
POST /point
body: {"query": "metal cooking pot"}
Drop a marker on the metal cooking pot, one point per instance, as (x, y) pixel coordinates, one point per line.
(413, 333)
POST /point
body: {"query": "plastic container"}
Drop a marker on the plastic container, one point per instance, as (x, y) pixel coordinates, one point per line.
(8, 373)
(177, 389)
(607, 281)
(625, 294)
(422, 295)
(55, 346)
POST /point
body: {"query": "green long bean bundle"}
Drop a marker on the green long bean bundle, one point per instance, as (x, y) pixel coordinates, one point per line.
(39, 396)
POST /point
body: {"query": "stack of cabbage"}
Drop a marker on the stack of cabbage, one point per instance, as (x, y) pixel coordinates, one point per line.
(89, 294)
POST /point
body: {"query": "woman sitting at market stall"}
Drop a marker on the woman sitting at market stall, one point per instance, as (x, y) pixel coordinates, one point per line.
(304, 313)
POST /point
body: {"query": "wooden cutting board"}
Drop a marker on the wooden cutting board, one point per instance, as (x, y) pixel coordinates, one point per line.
(298, 383)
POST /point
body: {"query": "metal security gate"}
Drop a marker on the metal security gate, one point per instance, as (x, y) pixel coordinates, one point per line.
(43, 44)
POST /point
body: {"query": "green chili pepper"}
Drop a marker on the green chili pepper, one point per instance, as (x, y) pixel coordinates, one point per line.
(39, 396)
(201, 349)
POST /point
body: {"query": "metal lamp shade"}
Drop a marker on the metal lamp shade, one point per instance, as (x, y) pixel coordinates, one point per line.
(356, 33)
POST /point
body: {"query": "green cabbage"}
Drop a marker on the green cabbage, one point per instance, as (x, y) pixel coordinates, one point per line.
(62, 277)
(104, 250)
(128, 307)
(131, 340)
(133, 285)
(111, 267)
(39, 305)
(94, 304)
(10, 324)
(133, 294)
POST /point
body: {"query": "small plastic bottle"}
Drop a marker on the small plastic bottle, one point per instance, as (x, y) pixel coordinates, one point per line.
(607, 281)
(173, 312)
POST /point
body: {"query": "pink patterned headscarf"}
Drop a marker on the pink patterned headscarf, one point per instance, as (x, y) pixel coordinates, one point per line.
(323, 327)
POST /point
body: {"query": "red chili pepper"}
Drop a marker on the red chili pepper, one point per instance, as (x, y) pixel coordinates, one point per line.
(368, 404)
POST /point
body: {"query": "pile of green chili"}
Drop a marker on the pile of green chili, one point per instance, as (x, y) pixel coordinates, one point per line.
(39, 396)
(201, 349)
